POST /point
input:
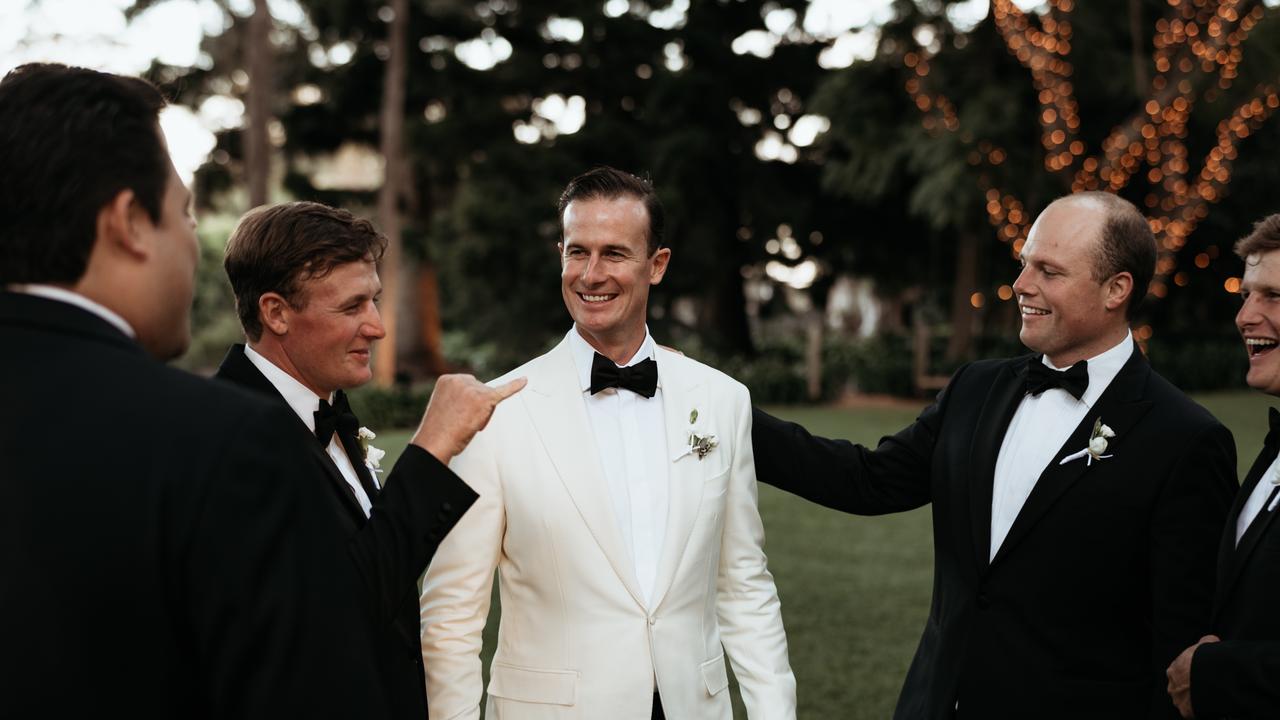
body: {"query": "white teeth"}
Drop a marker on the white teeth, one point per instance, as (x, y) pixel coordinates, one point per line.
(595, 298)
(1259, 342)
(1033, 311)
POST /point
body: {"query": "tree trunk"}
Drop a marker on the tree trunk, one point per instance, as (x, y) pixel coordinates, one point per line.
(392, 126)
(429, 320)
(257, 146)
(966, 282)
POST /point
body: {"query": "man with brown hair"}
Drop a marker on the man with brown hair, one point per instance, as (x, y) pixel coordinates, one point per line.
(1077, 496)
(1233, 672)
(306, 287)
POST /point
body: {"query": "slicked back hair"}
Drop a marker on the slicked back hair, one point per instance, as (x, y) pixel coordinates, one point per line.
(606, 183)
(277, 248)
(71, 140)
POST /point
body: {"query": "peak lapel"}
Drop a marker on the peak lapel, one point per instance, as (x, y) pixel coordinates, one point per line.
(1002, 402)
(1120, 407)
(1232, 557)
(681, 393)
(555, 403)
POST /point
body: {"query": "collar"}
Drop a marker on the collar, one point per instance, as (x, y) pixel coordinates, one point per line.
(298, 396)
(1102, 368)
(583, 354)
(52, 292)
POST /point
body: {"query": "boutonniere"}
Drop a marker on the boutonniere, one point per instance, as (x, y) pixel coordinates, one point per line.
(1097, 445)
(700, 441)
(372, 455)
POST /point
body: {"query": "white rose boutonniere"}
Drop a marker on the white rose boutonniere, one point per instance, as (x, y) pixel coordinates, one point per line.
(1097, 445)
(372, 455)
(701, 441)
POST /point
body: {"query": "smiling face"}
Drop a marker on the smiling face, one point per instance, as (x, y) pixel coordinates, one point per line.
(1066, 313)
(606, 271)
(330, 336)
(1259, 320)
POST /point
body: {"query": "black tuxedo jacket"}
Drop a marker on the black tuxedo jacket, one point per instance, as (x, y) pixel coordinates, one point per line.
(1240, 676)
(1105, 576)
(420, 502)
(156, 556)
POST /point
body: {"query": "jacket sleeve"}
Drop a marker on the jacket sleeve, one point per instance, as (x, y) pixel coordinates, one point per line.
(420, 503)
(845, 476)
(747, 605)
(1235, 678)
(457, 589)
(1186, 526)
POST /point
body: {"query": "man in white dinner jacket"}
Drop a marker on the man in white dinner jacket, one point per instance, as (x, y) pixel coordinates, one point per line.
(618, 504)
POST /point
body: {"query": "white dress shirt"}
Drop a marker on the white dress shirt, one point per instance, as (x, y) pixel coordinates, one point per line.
(52, 292)
(1258, 498)
(1037, 432)
(630, 434)
(305, 403)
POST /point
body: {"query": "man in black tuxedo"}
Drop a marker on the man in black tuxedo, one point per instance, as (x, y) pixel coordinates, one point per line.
(162, 552)
(1233, 672)
(307, 287)
(1077, 495)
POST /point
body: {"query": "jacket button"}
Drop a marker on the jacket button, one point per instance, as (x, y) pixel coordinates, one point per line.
(447, 506)
(652, 621)
(984, 602)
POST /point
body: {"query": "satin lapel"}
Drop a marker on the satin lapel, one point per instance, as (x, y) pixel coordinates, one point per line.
(1002, 402)
(237, 368)
(682, 393)
(559, 414)
(1232, 557)
(1120, 407)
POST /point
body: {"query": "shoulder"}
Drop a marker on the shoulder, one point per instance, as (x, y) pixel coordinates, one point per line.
(674, 363)
(1174, 406)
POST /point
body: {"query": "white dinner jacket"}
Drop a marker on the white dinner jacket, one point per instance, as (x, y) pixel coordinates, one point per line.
(576, 640)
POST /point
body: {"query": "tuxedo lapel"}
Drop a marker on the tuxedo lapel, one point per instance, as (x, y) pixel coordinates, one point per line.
(237, 368)
(1002, 402)
(554, 400)
(1232, 557)
(681, 394)
(1120, 406)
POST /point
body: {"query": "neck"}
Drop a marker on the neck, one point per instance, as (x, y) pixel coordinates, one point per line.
(620, 349)
(1101, 344)
(275, 354)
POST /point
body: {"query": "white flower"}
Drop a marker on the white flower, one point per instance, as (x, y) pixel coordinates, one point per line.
(1098, 445)
(702, 444)
(365, 433)
(373, 457)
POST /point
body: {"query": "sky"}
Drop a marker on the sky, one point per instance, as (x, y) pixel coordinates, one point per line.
(94, 33)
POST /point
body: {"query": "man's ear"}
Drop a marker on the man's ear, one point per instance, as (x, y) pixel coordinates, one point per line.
(274, 312)
(1119, 288)
(660, 260)
(120, 225)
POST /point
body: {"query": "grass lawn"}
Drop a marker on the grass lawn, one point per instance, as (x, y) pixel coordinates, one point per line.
(855, 591)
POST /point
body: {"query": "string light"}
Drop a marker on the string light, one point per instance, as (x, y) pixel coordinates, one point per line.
(1199, 44)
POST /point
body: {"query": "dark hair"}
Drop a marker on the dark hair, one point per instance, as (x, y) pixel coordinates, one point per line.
(1125, 244)
(1264, 238)
(71, 140)
(275, 248)
(606, 183)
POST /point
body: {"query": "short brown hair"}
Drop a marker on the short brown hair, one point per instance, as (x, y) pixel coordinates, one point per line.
(275, 248)
(1264, 238)
(1125, 244)
(606, 183)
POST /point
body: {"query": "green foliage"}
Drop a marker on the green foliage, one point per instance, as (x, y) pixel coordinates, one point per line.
(1205, 361)
(399, 406)
(214, 324)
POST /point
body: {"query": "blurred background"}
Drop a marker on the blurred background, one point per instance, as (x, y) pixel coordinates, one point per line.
(847, 183)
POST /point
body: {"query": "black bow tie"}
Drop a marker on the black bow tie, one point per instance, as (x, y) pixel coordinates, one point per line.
(335, 418)
(1041, 377)
(641, 378)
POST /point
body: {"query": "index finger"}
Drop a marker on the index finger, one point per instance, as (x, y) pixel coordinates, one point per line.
(511, 388)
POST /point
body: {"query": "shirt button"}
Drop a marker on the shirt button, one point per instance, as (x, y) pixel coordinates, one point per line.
(652, 621)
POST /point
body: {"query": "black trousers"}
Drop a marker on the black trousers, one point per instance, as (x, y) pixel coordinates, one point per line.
(657, 707)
